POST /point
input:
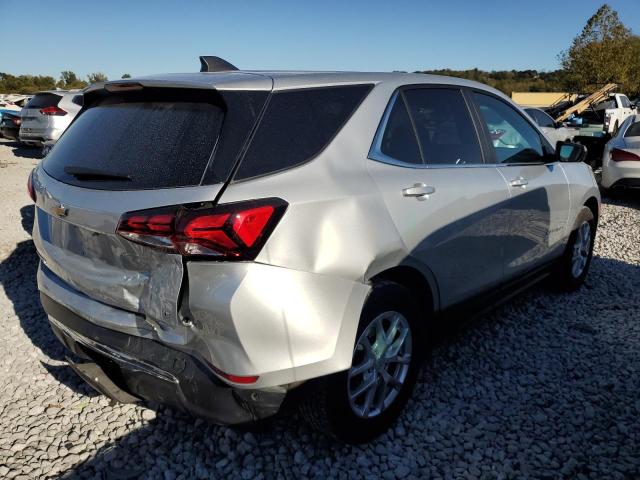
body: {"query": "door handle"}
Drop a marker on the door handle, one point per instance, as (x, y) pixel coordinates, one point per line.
(519, 182)
(419, 190)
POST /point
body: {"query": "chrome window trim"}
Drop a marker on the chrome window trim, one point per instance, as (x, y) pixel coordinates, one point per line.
(376, 154)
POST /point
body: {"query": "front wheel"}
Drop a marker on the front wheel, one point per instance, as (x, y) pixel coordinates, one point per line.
(362, 402)
(574, 265)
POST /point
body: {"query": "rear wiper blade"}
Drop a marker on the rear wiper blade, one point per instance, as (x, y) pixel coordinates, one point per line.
(84, 173)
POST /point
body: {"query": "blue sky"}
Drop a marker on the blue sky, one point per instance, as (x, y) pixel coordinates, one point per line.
(142, 37)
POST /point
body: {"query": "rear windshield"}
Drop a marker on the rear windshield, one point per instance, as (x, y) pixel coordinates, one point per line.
(43, 100)
(131, 143)
(297, 125)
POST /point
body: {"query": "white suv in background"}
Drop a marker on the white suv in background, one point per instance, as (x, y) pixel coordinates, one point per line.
(47, 115)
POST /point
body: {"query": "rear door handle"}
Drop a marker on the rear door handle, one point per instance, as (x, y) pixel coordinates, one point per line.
(419, 190)
(519, 182)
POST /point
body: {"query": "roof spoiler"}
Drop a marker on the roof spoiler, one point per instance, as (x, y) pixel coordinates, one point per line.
(215, 64)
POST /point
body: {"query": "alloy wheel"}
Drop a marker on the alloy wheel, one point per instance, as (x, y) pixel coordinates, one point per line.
(581, 248)
(381, 361)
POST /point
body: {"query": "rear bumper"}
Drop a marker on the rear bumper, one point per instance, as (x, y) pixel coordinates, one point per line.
(39, 135)
(127, 368)
(9, 132)
(620, 174)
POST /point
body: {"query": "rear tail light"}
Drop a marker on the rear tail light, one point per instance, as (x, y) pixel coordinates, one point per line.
(17, 121)
(55, 111)
(618, 155)
(229, 231)
(30, 189)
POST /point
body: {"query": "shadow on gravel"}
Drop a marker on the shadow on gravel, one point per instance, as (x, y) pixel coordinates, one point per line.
(18, 278)
(544, 387)
(624, 198)
(24, 151)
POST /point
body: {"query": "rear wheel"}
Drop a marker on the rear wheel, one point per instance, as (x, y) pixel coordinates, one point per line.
(361, 403)
(574, 266)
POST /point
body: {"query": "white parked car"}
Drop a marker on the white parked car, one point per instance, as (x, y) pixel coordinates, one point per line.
(555, 131)
(621, 157)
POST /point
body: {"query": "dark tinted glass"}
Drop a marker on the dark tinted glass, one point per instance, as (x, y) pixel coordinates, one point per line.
(513, 138)
(43, 100)
(399, 140)
(296, 126)
(157, 144)
(633, 130)
(444, 126)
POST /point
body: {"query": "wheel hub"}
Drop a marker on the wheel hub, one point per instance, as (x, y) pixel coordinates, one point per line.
(381, 360)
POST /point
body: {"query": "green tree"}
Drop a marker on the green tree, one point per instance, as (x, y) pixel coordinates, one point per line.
(69, 80)
(97, 77)
(126, 75)
(25, 83)
(602, 53)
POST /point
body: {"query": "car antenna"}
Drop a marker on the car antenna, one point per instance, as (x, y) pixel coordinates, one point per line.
(215, 64)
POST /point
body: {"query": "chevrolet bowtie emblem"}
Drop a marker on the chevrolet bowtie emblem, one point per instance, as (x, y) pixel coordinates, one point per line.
(61, 210)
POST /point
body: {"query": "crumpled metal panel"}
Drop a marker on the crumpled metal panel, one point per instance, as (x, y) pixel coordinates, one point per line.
(110, 269)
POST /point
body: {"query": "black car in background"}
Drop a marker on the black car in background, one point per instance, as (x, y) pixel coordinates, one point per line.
(10, 125)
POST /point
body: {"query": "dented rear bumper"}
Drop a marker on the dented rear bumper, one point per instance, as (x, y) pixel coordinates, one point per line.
(127, 368)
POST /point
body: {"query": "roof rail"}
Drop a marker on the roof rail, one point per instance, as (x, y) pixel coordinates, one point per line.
(215, 64)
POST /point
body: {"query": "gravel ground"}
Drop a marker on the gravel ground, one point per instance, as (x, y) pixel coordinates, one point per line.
(545, 387)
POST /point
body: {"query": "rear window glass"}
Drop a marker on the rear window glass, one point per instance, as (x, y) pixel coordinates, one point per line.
(128, 145)
(633, 130)
(297, 125)
(43, 100)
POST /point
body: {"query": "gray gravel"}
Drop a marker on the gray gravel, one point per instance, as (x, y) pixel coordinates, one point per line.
(545, 387)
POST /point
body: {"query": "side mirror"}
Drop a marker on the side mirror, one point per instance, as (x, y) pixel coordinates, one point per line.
(634, 106)
(570, 152)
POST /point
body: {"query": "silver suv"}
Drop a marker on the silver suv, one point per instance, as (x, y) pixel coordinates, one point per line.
(47, 115)
(219, 241)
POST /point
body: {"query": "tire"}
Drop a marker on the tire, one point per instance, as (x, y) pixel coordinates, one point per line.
(326, 405)
(576, 260)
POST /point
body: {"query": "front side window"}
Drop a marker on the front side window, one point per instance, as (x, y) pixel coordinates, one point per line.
(514, 140)
(444, 126)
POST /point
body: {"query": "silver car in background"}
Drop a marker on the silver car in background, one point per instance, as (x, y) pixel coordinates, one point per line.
(621, 156)
(47, 115)
(219, 241)
(556, 132)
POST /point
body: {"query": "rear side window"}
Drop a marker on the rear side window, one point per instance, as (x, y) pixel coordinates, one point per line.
(297, 125)
(129, 143)
(633, 130)
(43, 100)
(625, 101)
(399, 140)
(444, 126)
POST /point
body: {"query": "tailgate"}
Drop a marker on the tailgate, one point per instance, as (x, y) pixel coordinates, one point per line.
(32, 119)
(75, 237)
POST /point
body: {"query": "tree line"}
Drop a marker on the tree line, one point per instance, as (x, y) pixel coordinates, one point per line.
(605, 51)
(35, 83)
